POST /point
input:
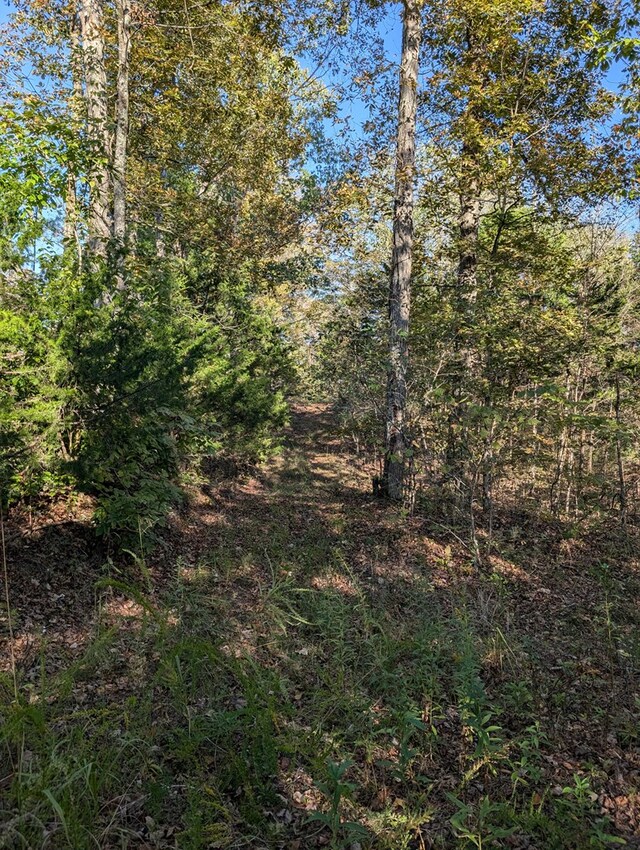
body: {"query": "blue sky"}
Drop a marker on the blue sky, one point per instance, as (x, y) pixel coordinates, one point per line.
(389, 30)
(354, 108)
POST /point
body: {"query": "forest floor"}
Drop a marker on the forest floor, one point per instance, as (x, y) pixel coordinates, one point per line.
(299, 665)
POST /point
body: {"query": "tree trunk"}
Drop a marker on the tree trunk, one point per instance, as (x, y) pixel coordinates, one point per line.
(70, 230)
(466, 360)
(465, 352)
(400, 288)
(469, 224)
(95, 76)
(122, 125)
(622, 488)
(467, 274)
(71, 235)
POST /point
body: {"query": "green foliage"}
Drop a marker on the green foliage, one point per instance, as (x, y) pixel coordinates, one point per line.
(113, 389)
(31, 400)
(129, 362)
(246, 379)
(124, 364)
(336, 789)
(480, 826)
(35, 147)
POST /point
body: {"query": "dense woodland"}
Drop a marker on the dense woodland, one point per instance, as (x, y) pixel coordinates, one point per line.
(320, 424)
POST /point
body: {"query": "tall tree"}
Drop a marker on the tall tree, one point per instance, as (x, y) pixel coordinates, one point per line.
(123, 11)
(71, 229)
(96, 93)
(396, 440)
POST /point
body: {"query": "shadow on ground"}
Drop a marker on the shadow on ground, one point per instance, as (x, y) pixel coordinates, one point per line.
(291, 627)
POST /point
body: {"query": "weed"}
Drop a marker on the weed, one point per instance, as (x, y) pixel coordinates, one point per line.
(526, 768)
(407, 728)
(480, 825)
(336, 789)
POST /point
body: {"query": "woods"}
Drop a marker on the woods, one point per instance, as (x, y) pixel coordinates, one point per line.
(319, 424)
(163, 293)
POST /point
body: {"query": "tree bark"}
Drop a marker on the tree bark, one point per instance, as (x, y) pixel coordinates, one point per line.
(469, 215)
(469, 225)
(622, 487)
(123, 8)
(95, 76)
(465, 352)
(71, 235)
(396, 441)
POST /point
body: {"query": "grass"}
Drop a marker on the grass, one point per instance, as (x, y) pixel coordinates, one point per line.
(303, 679)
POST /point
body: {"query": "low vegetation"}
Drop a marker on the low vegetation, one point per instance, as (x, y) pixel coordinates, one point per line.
(342, 677)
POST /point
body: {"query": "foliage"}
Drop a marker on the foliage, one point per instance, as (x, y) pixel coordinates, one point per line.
(311, 665)
(277, 689)
(123, 369)
(335, 789)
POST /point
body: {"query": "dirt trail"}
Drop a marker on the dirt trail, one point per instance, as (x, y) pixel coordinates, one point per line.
(298, 498)
(342, 629)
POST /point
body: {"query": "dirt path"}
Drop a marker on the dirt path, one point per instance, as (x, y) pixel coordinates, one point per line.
(290, 622)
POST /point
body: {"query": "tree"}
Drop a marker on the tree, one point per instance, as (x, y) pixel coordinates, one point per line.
(123, 12)
(176, 158)
(396, 438)
(92, 26)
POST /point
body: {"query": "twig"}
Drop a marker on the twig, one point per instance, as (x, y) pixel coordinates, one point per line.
(452, 532)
